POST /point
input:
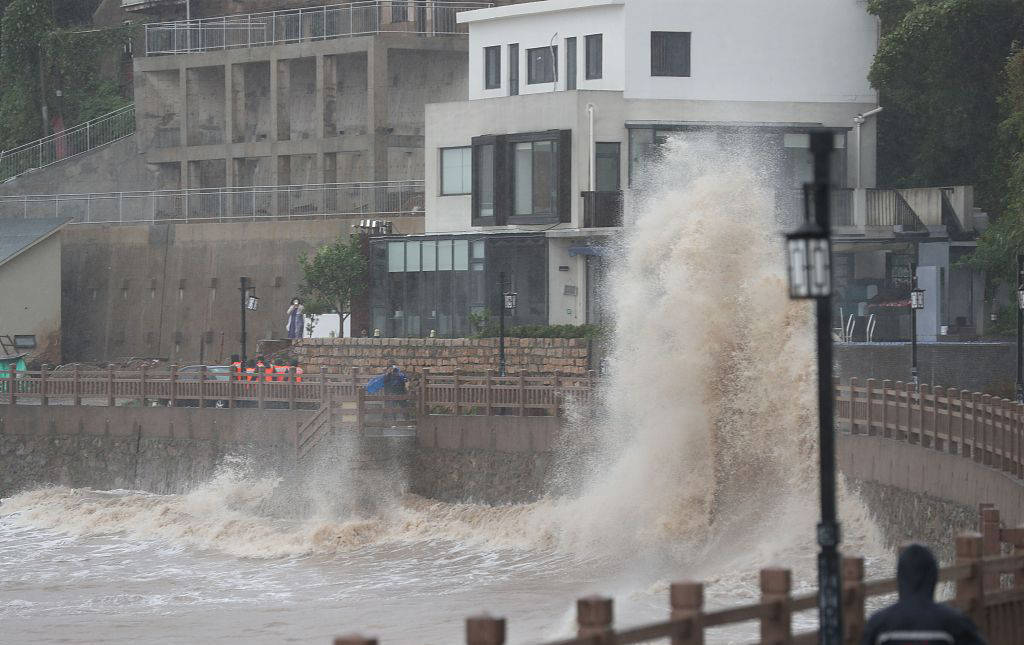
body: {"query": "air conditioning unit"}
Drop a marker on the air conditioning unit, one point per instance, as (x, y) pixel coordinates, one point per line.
(897, 228)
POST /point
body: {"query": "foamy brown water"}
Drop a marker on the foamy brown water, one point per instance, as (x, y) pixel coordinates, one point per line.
(701, 464)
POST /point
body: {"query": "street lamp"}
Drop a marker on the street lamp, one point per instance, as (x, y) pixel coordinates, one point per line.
(509, 299)
(916, 303)
(810, 277)
(249, 302)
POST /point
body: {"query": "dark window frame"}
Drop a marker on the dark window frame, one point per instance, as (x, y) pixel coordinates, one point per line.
(497, 175)
(563, 176)
(570, 63)
(513, 69)
(441, 164)
(492, 82)
(618, 162)
(531, 78)
(594, 57)
(661, 63)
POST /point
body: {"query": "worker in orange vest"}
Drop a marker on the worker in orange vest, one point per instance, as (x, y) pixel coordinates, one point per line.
(250, 370)
(236, 367)
(298, 371)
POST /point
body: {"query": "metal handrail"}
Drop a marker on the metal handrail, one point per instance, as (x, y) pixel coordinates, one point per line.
(299, 201)
(423, 17)
(68, 143)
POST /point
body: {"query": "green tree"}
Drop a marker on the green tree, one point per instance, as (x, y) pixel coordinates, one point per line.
(938, 72)
(333, 277)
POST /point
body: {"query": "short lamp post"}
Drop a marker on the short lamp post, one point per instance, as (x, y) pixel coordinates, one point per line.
(249, 302)
(508, 302)
(916, 304)
(810, 277)
(1020, 328)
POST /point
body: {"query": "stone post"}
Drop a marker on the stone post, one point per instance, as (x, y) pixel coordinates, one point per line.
(522, 393)
(110, 386)
(174, 386)
(142, 385)
(687, 602)
(776, 628)
(202, 386)
(851, 415)
(293, 385)
(485, 630)
(76, 385)
(869, 396)
(490, 393)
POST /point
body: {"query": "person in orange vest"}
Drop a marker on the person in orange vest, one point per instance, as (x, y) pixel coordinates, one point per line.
(298, 370)
(250, 370)
(236, 367)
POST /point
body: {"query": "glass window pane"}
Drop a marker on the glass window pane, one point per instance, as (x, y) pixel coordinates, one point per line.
(444, 255)
(607, 167)
(545, 179)
(540, 64)
(412, 256)
(485, 180)
(594, 46)
(478, 249)
(492, 67)
(670, 53)
(461, 253)
(523, 179)
(396, 257)
(455, 171)
(429, 255)
(570, 63)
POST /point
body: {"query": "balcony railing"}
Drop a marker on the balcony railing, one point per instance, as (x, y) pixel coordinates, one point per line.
(424, 17)
(308, 201)
(888, 208)
(602, 208)
(68, 143)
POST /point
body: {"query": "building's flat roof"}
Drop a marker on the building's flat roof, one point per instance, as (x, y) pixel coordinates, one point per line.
(19, 234)
(531, 8)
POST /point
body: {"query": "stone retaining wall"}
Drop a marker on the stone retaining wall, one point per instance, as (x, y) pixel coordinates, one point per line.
(445, 355)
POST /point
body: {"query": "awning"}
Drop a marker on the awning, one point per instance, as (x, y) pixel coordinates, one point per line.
(588, 250)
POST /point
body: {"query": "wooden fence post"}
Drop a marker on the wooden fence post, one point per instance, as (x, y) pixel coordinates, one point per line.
(941, 423)
(953, 400)
(591, 374)
(293, 385)
(851, 415)
(424, 382)
(927, 427)
(594, 617)
(360, 404)
(323, 385)
(986, 429)
(989, 525)
(900, 392)
(886, 386)
(776, 626)
(913, 391)
(142, 385)
(354, 639)
(11, 385)
(1018, 440)
(687, 602)
(44, 398)
(202, 386)
(490, 393)
(76, 385)
(870, 396)
(485, 630)
(174, 385)
(110, 386)
(522, 393)
(556, 395)
(261, 392)
(457, 395)
(970, 591)
(853, 599)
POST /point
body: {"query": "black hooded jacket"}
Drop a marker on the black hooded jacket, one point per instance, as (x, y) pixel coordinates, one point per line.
(916, 619)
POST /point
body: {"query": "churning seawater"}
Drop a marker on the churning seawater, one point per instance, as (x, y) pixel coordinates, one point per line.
(700, 463)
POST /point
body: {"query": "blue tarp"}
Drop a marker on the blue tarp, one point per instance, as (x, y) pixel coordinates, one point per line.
(375, 384)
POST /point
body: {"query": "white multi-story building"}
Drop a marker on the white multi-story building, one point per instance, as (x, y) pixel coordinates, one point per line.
(567, 99)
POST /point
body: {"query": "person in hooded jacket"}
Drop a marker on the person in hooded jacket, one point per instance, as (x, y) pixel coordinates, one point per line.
(916, 619)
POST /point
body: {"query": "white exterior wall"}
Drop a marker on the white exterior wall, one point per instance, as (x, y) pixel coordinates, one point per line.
(536, 30)
(757, 50)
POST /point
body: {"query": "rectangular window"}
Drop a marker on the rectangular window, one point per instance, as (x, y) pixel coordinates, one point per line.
(444, 255)
(396, 257)
(456, 171)
(535, 178)
(492, 67)
(461, 255)
(429, 255)
(606, 169)
(594, 56)
(484, 175)
(412, 256)
(513, 69)
(540, 65)
(570, 63)
(670, 53)
(478, 249)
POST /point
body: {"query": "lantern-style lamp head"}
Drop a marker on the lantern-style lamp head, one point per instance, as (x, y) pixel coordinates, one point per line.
(809, 254)
(1020, 296)
(252, 303)
(917, 298)
(511, 299)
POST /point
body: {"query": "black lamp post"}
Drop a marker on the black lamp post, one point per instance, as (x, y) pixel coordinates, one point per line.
(249, 302)
(508, 301)
(1020, 327)
(810, 277)
(916, 303)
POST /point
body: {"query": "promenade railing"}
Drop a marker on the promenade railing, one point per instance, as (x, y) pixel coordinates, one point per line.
(976, 426)
(68, 143)
(302, 201)
(422, 17)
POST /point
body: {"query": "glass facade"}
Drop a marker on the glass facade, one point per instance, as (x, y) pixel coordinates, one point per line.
(432, 283)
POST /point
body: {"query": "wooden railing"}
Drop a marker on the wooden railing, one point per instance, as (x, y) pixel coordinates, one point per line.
(989, 589)
(488, 394)
(976, 426)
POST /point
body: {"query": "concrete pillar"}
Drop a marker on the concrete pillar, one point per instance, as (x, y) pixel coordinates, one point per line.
(318, 119)
(229, 127)
(280, 87)
(183, 135)
(377, 90)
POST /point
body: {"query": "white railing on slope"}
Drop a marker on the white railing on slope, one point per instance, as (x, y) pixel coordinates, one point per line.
(363, 199)
(424, 17)
(68, 143)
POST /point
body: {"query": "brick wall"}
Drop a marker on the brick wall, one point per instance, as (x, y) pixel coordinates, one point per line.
(536, 355)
